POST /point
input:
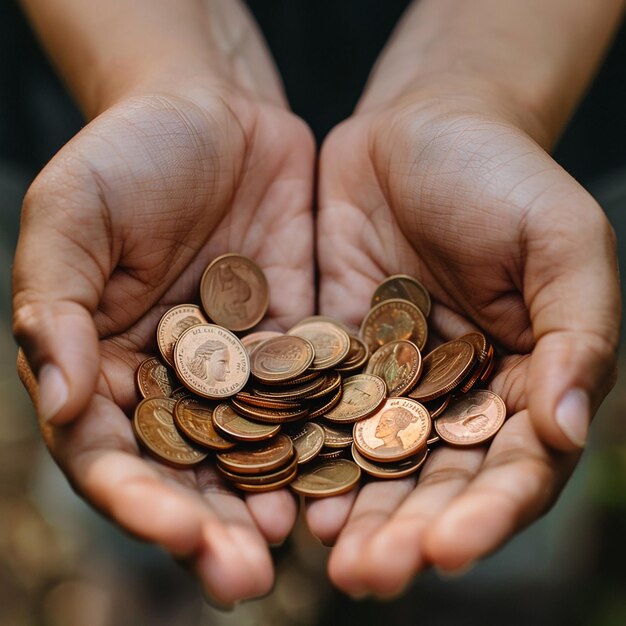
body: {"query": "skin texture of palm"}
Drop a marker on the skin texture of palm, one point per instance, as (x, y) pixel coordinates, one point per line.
(504, 240)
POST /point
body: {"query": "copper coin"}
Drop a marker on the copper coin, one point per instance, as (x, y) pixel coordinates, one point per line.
(399, 469)
(438, 406)
(308, 441)
(481, 350)
(250, 398)
(307, 377)
(396, 431)
(211, 361)
(331, 453)
(252, 340)
(406, 288)
(444, 368)
(490, 363)
(324, 318)
(262, 479)
(195, 420)
(356, 358)
(362, 395)
(327, 478)
(472, 419)
(180, 392)
(337, 438)
(258, 459)
(392, 320)
(432, 440)
(171, 326)
(154, 380)
(321, 407)
(281, 358)
(232, 424)
(250, 488)
(332, 382)
(234, 292)
(399, 364)
(269, 416)
(331, 342)
(153, 424)
(289, 392)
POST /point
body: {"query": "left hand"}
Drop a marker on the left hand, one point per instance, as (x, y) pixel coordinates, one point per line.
(452, 192)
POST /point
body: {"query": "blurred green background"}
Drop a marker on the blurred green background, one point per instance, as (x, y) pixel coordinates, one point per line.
(63, 565)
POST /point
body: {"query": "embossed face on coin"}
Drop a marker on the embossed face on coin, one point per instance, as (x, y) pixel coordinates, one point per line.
(234, 292)
(399, 364)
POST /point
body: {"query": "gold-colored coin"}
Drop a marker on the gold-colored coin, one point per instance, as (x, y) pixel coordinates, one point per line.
(308, 440)
(280, 359)
(331, 342)
(362, 395)
(327, 478)
(252, 340)
(406, 288)
(356, 358)
(195, 421)
(268, 416)
(258, 458)
(171, 326)
(399, 364)
(250, 488)
(323, 406)
(154, 380)
(336, 437)
(262, 479)
(399, 469)
(234, 425)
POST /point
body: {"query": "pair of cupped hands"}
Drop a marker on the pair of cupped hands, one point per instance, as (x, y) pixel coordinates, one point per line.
(434, 182)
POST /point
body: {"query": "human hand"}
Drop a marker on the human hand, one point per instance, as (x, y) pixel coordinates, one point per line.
(448, 189)
(115, 230)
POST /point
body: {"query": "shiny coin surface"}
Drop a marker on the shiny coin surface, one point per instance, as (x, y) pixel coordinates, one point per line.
(153, 424)
(231, 424)
(262, 479)
(362, 394)
(324, 405)
(472, 419)
(262, 488)
(356, 358)
(258, 459)
(331, 342)
(398, 430)
(252, 340)
(399, 364)
(399, 469)
(211, 361)
(281, 358)
(265, 403)
(331, 453)
(332, 382)
(337, 438)
(268, 416)
(234, 292)
(481, 350)
(308, 441)
(406, 288)
(172, 325)
(392, 320)
(326, 478)
(195, 420)
(289, 392)
(444, 368)
(154, 380)
(490, 363)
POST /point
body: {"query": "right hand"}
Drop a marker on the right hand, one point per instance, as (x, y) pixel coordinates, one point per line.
(116, 229)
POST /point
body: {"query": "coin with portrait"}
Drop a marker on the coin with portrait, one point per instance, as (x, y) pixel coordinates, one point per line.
(172, 325)
(398, 363)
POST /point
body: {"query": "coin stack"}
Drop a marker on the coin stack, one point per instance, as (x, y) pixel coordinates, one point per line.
(313, 407)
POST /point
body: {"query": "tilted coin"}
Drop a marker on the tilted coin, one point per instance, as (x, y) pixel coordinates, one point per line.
(398, 430)
(262, 488)
(481, 350)
(472, 419)
(154, 380)
(234, 425)
(308, 441)
(490, 363)
(444, 368)
(234, 292)
(250, 398)
(332, 382)
(262, 479)
(211, 361)
(258, 459)
(337, 438)
(281, 358)
(438, 406)
(289, 392)
(392, 320)
(331, 453)
(399, 469)
(331, 342)
(399, 364)
(252, 340)
(269, 416)
(195, 420)
(171, 326)
(324, 318)
(362, 395)
(153, 424)
(356, 358)
(326, 478)
(324, 405)
(406, 288)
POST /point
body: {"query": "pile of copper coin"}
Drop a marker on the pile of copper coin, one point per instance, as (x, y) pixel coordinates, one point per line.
(313, 407)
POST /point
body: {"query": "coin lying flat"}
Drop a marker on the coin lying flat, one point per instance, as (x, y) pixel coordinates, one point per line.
(262, 488)
(324, 405)
(336, 437)
(289, 392)
(211, 362)
(444, 368)
(398, 430)
(275, 476)
(265, 403)
(357, 356)
(258, 459)
(398, 363)
(472, 419)
(171, 326)
(154, 380)
(234, 425)
(362, 395)
(331, 382)
(234, 292)
(392, 320)
(331, 342)
(326, 478)
(195, 420)
(308, 441)
(406, 288)
(280, 359)
(153, 424)
(251, 341)
(268, 416)
(399, 469)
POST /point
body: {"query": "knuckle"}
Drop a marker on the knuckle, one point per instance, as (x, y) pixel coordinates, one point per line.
(28, 318)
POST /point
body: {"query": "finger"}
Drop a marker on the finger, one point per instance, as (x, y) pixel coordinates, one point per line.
(327, 516)
(573, 295)
(57, 283)
(274, 513)
(390, 552)
(518, 481)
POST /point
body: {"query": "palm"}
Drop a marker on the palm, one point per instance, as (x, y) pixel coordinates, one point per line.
(165, 185)
(454, 202)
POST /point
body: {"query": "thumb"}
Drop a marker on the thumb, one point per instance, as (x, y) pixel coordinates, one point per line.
(57, 283)
(575, 313)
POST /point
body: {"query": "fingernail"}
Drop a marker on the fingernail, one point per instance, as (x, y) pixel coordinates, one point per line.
(455, 573)
(53, 391)
(573, 416)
